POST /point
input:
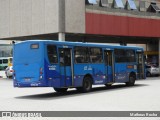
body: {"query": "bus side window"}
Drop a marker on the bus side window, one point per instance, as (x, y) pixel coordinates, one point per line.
(81, 55)
(96, 55)
(124, 55)
(52, 54)
(130, 54)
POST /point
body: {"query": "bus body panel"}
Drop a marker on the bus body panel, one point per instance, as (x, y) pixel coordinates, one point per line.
(33, 68)
(28, 64)
(52, 74)
(123, 70)
(109, 74)
(97, 71)
(66, 78)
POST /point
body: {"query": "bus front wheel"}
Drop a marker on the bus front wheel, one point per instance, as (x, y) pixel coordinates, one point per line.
(87, 85)
(132, 79)
(61, 90)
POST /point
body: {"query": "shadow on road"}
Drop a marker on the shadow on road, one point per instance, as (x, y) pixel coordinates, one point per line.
(74, 93)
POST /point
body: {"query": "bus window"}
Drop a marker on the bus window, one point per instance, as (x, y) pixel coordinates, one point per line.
(52, 54)
(124, 55)
(130, 54)
(96, 55)
(81, 55)
(0, 61)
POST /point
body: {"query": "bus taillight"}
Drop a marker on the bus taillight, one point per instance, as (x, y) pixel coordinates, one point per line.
(41, 71)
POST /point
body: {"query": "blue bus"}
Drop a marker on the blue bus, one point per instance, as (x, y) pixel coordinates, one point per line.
(63, 65)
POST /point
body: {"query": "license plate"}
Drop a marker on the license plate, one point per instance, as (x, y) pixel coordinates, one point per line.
(27, 79)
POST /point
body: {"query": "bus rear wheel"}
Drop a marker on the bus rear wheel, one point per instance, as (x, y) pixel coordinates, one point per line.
(87, 85)
(61, 90)
(132, 79)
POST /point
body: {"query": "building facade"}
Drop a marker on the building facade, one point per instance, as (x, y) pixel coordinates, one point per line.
(107, 21)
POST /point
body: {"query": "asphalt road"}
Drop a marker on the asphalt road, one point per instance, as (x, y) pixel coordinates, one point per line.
(144, 96)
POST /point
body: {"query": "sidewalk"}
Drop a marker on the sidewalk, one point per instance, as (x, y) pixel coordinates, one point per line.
(2, 74)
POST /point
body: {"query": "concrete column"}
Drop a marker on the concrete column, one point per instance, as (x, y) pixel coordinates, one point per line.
(61, 36)
(61, 18)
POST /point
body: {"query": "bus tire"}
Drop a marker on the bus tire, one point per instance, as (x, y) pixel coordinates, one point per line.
(132, 79)
(61, 90)
(87, 85)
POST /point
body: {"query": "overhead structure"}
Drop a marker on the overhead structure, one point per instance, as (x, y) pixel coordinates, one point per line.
(118, 4)
(142, 6)
(154, 7)
(104, 3)
(131, 5)
(91, 1)
(79, 20)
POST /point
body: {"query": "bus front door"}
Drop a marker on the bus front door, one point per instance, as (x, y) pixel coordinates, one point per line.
(66, 65)
(109, 66)
(140, 65)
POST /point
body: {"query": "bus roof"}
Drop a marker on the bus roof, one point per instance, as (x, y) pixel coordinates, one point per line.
(78, 44)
